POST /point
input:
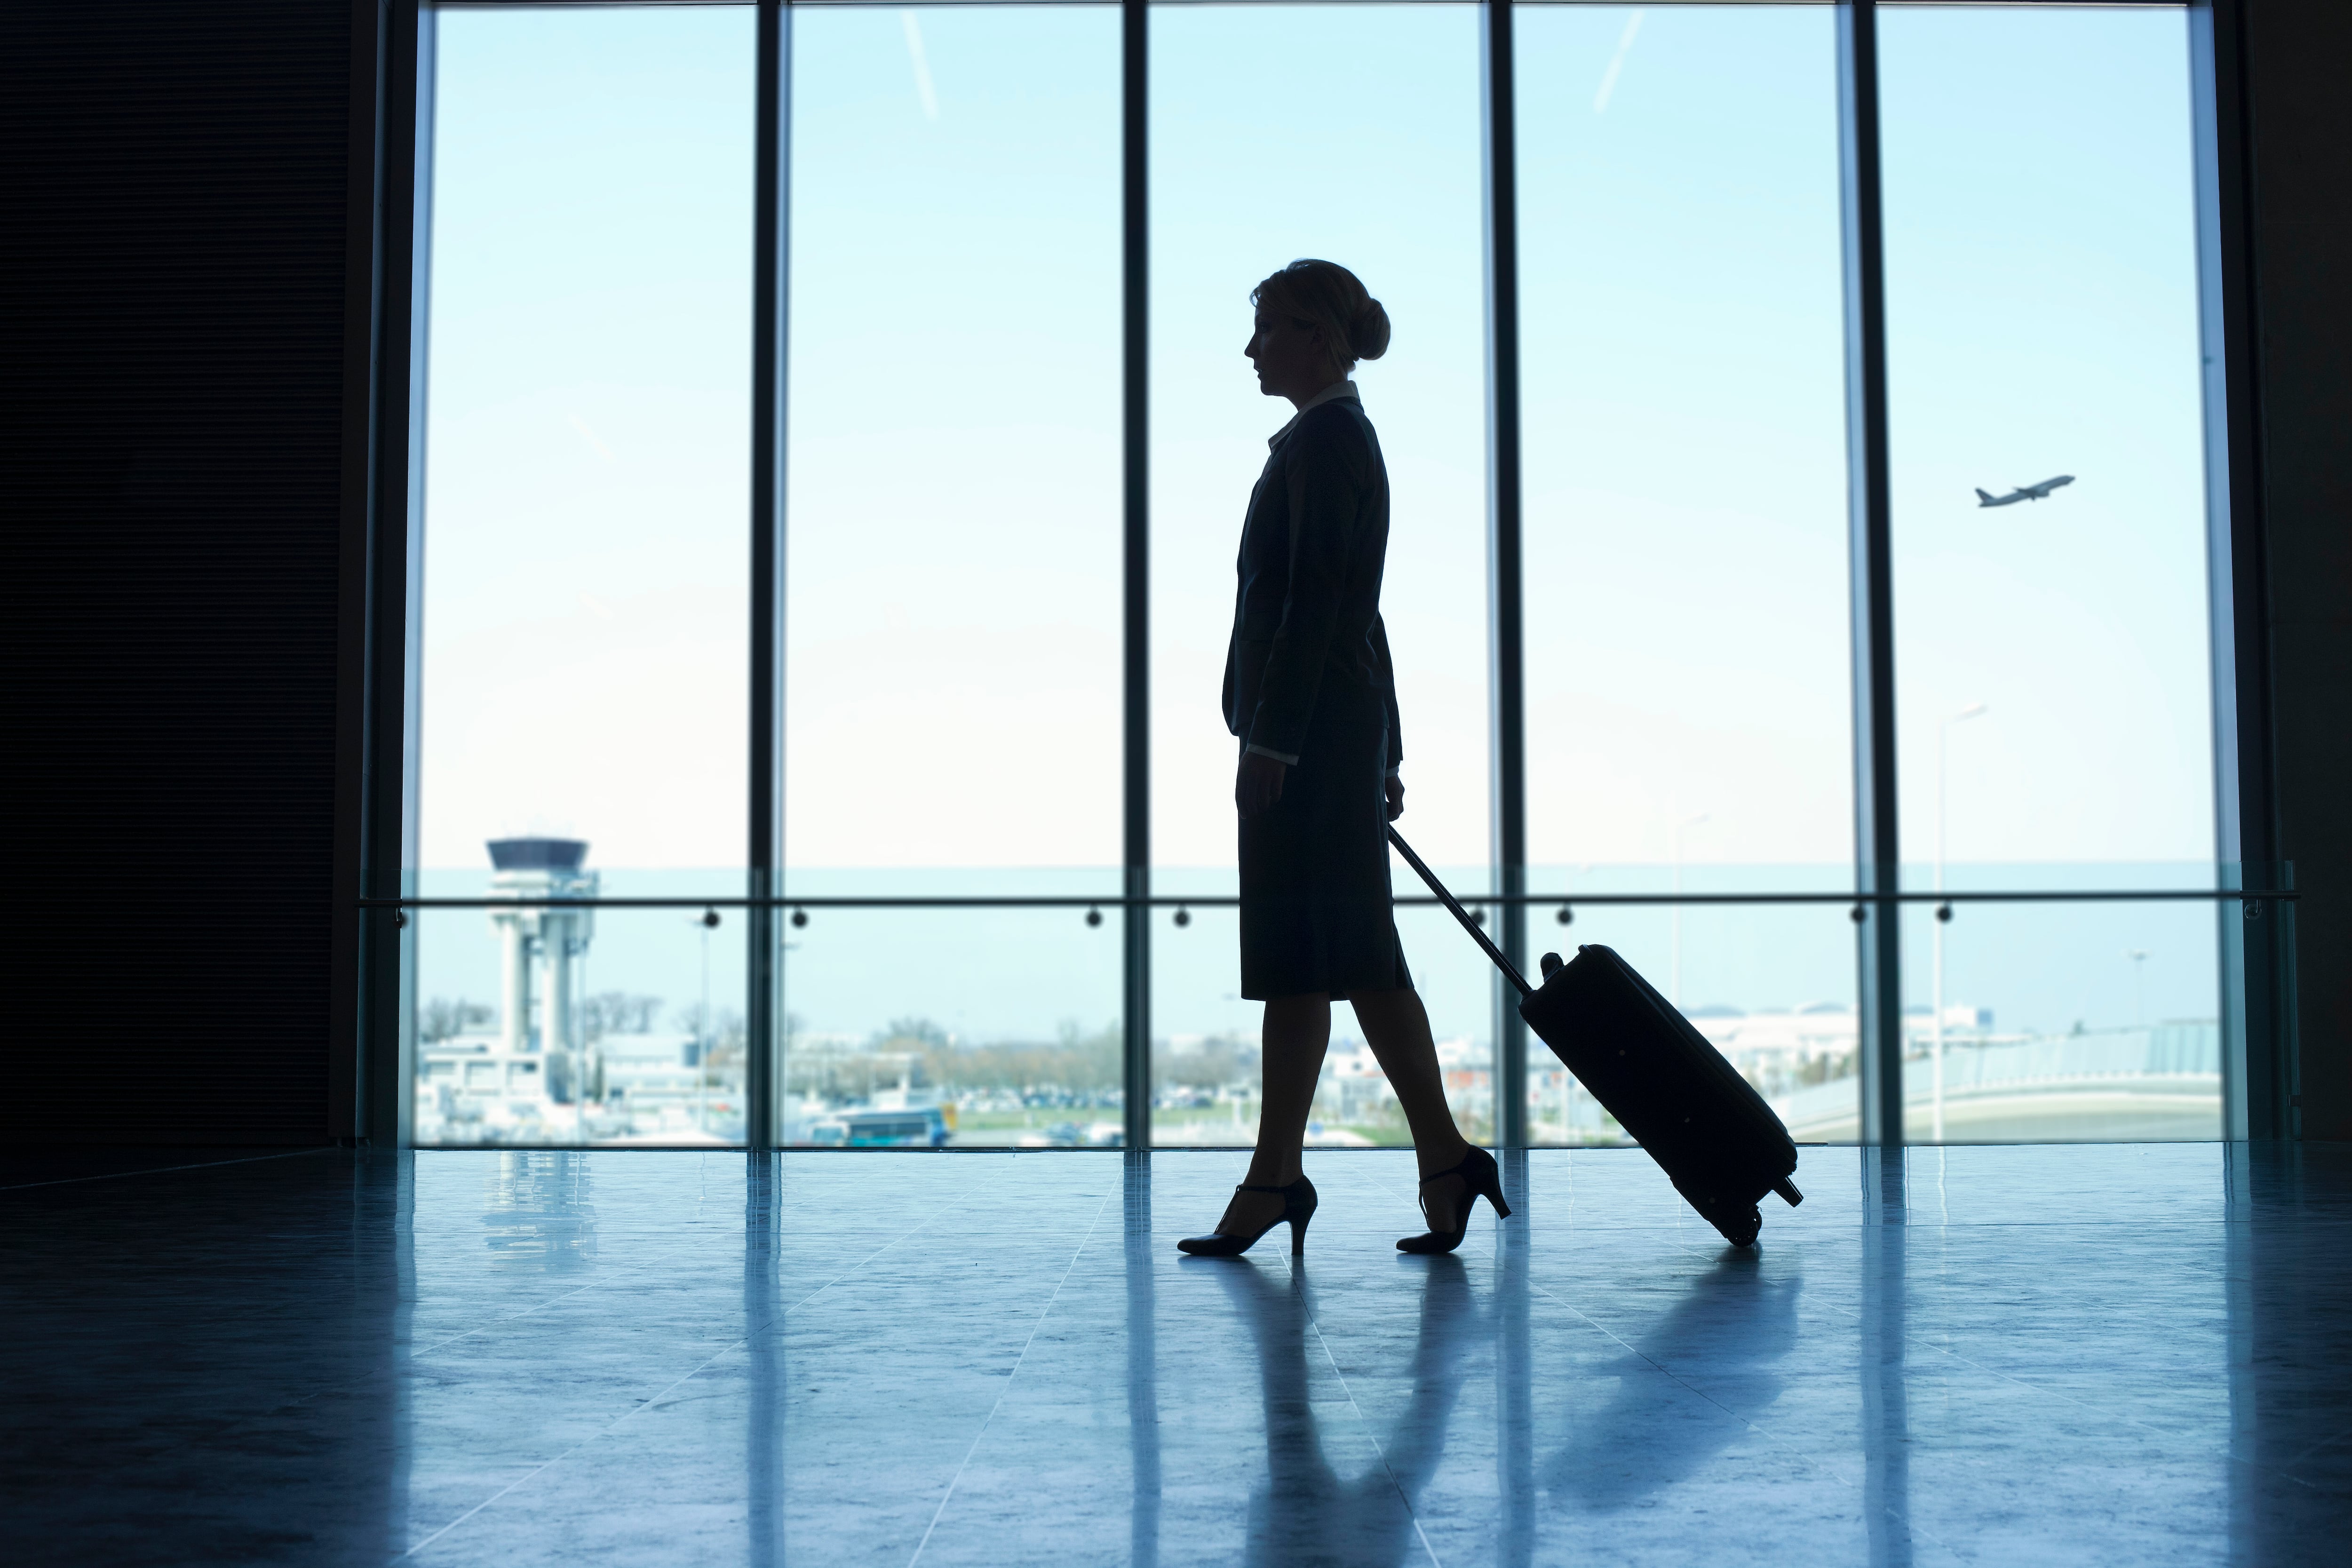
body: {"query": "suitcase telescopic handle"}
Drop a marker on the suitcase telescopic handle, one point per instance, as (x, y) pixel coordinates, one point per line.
(1510, 970)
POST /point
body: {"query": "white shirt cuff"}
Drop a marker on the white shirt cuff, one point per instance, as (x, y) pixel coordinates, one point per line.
(1277, 756)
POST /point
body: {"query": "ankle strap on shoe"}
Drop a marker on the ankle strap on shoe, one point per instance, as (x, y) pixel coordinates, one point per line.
(1469, 1162)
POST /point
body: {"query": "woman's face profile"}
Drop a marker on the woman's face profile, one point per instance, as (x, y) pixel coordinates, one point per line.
(1288, 356)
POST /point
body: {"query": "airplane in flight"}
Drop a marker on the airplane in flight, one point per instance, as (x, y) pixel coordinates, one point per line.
(2025, 492)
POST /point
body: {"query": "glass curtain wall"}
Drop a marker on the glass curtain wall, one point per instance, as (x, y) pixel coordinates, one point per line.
(1351, 133)
(1688, 644)
(952, 718)
(2049, 518)
(952, 570)
(586, 593)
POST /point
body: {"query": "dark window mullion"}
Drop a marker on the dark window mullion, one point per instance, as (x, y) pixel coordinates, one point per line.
(1135, 25)
(1877, 846)
(1506, 669)
(764, 860)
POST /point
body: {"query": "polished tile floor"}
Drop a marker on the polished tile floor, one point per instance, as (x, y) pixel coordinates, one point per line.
(2030, 1355)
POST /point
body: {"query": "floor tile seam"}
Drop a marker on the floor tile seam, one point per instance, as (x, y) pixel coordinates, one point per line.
(1803, 1460)
(1919, 1219)
(2174, 1444)
(978, 1437)
(622, 1273)
(1411, 1512)
(1910, 1337)
(2272, 1471)
(1228, 1158)
(335, 1386)
(655, 1399)
(910, 1235)
(1390, 1190)
(1584, 1222)
(784, 1312)
(628, 1273)
(2330, 1441)
(166, 1170)
(605, 1431)
(338, 1386)
(1677, 1223)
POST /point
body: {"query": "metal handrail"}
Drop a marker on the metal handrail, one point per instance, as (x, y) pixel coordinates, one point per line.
(1229, 900)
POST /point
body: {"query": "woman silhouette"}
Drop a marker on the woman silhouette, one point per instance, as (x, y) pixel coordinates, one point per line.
(1311, 696)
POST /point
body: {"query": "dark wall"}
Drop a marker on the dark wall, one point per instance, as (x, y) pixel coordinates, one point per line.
(2297, 55)
(172, 307)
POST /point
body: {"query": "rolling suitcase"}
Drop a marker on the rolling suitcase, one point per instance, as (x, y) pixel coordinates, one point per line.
(1705, 1125)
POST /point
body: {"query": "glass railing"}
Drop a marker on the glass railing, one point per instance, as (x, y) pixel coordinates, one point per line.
(1205, 1070)
(576, 1015)
(1770, 982)
(972, 1024)
(983, 1009)
(2063, 1019)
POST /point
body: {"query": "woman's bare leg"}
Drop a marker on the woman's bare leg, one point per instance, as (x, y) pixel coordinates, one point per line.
(1290, 1054)
(1396, 1025)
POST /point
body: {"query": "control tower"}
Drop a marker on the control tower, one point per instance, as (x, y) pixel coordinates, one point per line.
(539, 944)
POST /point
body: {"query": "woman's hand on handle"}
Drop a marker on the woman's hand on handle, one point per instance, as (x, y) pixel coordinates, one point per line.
(1259, 783)
(1396, 797)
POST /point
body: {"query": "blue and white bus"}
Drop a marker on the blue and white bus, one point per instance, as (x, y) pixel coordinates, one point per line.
(917, 1127)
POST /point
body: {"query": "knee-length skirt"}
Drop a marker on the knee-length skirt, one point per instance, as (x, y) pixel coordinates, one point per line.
(1316, 908)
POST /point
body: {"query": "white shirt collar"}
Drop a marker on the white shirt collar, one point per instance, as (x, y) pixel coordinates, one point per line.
(1337, 390)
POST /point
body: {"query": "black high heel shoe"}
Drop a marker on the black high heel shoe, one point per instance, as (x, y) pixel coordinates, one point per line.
(1481, 1178)
(1297, 1208)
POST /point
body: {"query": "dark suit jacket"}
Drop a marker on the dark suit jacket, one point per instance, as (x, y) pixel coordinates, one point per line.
(1308, 612)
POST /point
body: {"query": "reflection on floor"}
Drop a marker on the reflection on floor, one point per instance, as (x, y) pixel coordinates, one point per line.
(2079, 1354)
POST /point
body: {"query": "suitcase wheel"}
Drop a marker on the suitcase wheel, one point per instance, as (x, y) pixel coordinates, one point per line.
(1741, 1226)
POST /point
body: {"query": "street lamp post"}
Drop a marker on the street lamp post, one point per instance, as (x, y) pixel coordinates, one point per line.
(1943, 910)
(1676, 997)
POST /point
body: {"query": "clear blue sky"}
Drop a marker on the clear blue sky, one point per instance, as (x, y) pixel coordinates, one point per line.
(952, 601)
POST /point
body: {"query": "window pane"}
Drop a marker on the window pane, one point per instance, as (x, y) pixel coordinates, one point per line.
(627, 1025)
(952, 692)
(1688, 666)
(1348, 134)
(2062, 1022)
(1205, 1072)
(970, 1027)
(587, 521)
(952, 615)
(2051, 656)
(586, 509)
(1771, 987)
(2042, 315)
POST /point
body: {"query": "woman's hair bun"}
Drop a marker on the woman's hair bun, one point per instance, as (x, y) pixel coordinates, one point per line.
(1329, 296)
(1368, 336)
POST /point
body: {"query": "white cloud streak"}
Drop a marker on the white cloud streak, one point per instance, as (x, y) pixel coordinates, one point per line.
(922, 65)
(1616, 61)
(594, 439)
